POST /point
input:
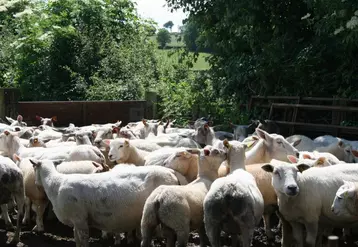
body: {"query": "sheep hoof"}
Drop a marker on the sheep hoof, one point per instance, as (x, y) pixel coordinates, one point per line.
(38, 229)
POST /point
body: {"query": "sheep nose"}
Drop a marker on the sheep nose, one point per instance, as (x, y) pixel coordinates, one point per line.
(110, 156)
(292, 188)
(297, 154)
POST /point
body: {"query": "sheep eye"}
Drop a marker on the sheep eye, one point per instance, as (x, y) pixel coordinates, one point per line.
(120, 146)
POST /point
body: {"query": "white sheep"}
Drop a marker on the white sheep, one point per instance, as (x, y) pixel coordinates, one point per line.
(340, 149)
(121, 151)
(18, 122)
(111, 201)
(10, 144)
(11, 184)
(305, 197)
(270, 146)
(345, 201)
(330, 159)
(185, 163)
(178, 209)
(305, 144)
(234, 203)
(36, 195)
(47, 121)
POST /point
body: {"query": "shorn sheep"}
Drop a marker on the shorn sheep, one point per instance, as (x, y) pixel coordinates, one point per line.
(345, 203)
(11, 184)
(305, 196)
(111, 201)
(234, 203)
(178, 209)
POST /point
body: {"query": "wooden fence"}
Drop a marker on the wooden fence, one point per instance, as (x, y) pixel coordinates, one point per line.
(82, 112)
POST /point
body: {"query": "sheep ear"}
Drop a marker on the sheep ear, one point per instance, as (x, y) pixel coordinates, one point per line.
(19, 118)
(262, 134)
(267, 168)
(144, 122)
(355, 153)
(57, 162)
(107, 142)
(341, 144)
(38, 118)
(35, 163)
(303, 167)
(226, 143)
(306, 156)
(292, 158)
(126, 142)
(296, 143)
(321, 160)
(115, 130)
(15, 157)
(54, 118)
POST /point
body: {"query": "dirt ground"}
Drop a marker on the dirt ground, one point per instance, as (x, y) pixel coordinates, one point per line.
(58, 235)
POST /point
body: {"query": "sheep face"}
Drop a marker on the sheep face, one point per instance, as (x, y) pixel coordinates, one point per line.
(345, 201)
(6, 140)
(201, 134)
(47, 121)
(180, 161)
(277, 146)
(83, 138)
(103, 133)
(36, 142)
(127, 133)
(348, 152)
(284, 177)
(213, 156)
(308, 160)
(235, 150)
(119, 150)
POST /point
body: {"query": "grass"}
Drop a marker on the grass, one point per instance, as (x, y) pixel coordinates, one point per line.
(174, 40)
(200, 64)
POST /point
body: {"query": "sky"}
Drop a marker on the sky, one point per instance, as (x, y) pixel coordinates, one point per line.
(159, 12)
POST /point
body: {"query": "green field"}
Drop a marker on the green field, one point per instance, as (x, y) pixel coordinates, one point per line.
(174, 40)
(200, 64)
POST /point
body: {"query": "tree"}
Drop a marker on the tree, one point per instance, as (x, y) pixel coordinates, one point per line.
(278, 47)
(163, 37)
(169, 25)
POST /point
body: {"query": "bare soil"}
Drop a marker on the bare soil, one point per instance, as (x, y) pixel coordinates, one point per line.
(58, 235)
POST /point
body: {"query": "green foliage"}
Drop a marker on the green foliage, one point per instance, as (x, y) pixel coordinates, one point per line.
(163, 37)
(302, 47)
(66, 50)
(169, 25)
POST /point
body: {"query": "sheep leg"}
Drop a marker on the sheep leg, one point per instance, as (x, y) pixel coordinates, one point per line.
(81, 237)
(183, 236)
(267, 225)
(40, 210)
(234, 240)
(170, 236)
(117, 239)
(5, 216)
(286, 239)
(27, 216)
(297, 233)
(312, 230)
(213, 233)
(20, 201)
(131, 237)
(204, 241)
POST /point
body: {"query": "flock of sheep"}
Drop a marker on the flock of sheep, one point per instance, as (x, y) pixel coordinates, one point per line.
(149, 180)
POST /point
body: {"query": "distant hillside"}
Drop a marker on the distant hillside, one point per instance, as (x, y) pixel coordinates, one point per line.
(174, 43)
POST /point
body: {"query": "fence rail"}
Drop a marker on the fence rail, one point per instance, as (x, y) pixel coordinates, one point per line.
(82, 112)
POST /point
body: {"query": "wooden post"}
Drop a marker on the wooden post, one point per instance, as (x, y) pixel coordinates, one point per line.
(333, 241)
